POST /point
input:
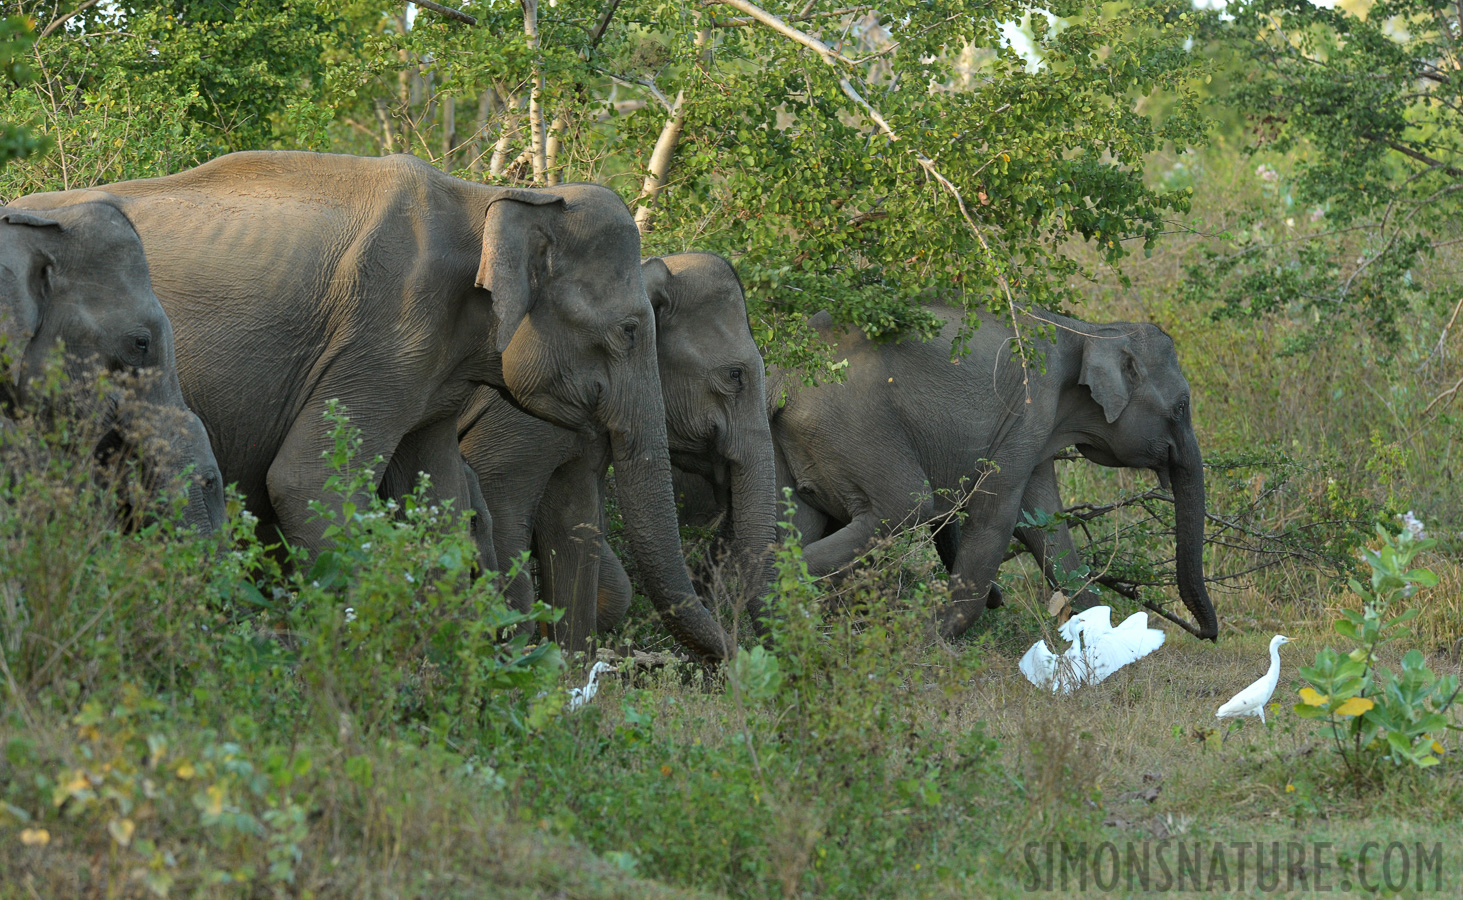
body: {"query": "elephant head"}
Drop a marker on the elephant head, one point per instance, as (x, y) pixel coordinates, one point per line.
(1140, 418)
(577, 337)
(77, 279)
(714, 383)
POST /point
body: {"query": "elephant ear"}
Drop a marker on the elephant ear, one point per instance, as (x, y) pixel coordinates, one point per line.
(517, 235)
(19, 217)
(657, 277)
(1112, 371)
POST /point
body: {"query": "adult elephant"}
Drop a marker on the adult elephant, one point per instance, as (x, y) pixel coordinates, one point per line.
(78, 278)
(545, 485)
(294, 279)
(915, 433)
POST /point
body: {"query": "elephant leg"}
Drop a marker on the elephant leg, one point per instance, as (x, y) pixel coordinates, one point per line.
(1054, 551)
(984, 537)
(567, 542)
(947, 542)
(299, 470)
(433, 451)
(615, 591)
(901, 500)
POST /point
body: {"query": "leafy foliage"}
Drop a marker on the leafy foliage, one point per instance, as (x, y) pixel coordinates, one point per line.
(1367, 102)
(16, 36)
(1373, 714)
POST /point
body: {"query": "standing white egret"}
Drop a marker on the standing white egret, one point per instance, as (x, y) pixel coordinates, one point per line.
(1098, 650)
(580, 696)
(1251, 701)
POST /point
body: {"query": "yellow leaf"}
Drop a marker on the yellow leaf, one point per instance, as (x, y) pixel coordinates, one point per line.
(1290, 789)
(1438, 748)
(215, 800)
(77, 783)
(185, 771)
(1309, 697)
(35, 837)
(1355, 706)
(121, 831)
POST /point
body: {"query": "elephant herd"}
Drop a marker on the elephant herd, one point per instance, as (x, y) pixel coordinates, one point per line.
(511, 344)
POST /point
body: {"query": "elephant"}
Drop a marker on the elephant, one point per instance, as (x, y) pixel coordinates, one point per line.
(295, 279)
(545, 485)
(917, 431)
(78, 278)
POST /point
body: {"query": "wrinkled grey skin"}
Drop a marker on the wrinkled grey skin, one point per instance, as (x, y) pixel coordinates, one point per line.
(905, 434)
(78, 277)
(296, 278)
(545, 485)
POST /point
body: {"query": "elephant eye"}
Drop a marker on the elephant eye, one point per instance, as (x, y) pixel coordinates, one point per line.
(736, 375)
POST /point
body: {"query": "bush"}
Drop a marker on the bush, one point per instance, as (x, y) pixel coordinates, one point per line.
(1372, 714)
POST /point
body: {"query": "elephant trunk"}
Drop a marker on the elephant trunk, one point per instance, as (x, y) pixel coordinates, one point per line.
(754, 523)
(643, 480)
(1186, 470)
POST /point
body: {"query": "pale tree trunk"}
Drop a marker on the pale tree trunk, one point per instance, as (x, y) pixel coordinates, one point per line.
(660, 163)
(537, 147)
(665, 148)
(449, 130)
(553, 146)
(500, 149)
(476, 150)
(383, 118)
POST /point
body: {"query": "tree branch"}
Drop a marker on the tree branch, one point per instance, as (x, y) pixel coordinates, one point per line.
(447, 11)
(1420, 157)
(799, 17)
(63, 19)
(759, 14)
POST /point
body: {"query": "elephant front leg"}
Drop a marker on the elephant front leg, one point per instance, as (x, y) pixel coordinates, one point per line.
(984, 537)
(433, 451)
(299, 472)
(567, 540)
(1054, 550)
(615, 591)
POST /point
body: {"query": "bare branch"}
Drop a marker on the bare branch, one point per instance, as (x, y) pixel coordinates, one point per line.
(447, 11)
(799, 17)
(604, 22)
(63, 19)
(759, 14)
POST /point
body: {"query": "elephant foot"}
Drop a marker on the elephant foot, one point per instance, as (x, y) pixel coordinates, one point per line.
(959, 616)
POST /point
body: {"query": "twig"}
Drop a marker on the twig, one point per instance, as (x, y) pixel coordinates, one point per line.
(798, 17)
(447, 11)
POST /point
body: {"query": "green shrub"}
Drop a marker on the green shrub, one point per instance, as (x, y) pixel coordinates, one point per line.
(1372, 714)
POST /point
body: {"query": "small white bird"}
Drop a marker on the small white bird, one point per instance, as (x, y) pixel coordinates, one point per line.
(1098, 650)
(580, 696)
(1251, 701)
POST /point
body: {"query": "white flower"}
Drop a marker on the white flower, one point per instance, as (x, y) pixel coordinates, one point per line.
(350, 614)
(366, 545)
(1413, 525)
(409, 579)
(1265, 173)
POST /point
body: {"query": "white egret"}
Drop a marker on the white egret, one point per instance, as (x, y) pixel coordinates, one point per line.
(580, 696)
(1098, 650)
(1251, 701)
